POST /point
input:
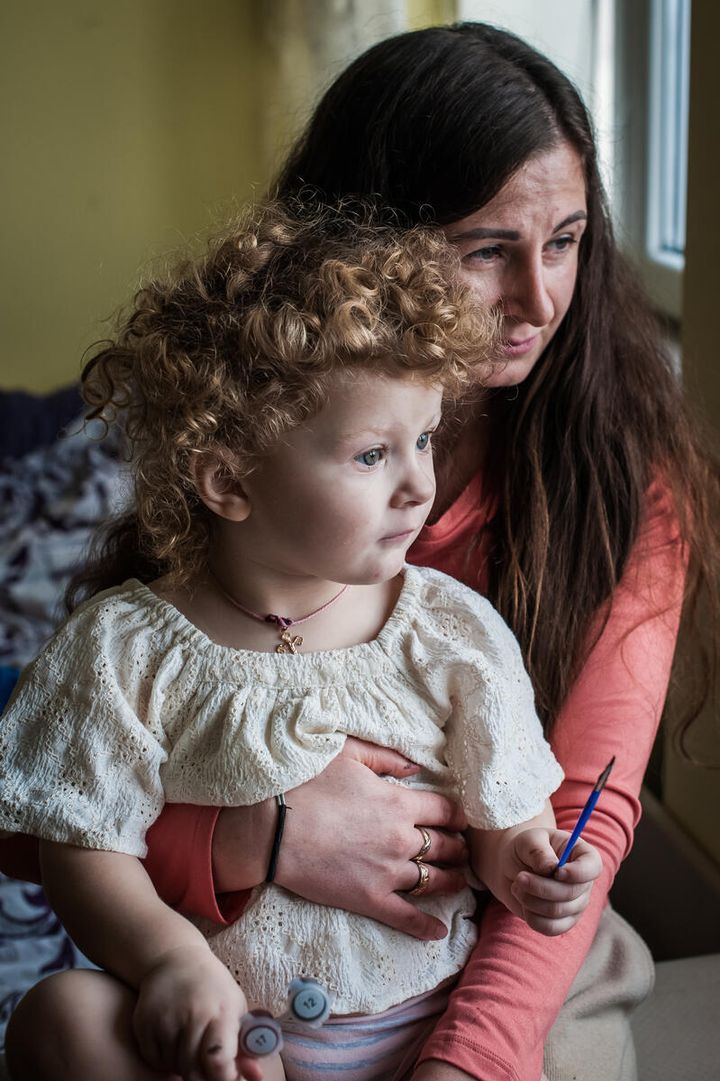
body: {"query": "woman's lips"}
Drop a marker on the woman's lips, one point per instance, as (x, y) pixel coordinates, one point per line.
(518, 347)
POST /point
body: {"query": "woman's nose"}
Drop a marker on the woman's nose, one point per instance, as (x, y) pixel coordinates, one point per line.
(527, 299)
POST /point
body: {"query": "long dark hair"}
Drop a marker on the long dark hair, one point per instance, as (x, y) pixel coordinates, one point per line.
(435, 122)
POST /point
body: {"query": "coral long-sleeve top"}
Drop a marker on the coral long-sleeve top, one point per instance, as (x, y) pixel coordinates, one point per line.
(516, 980)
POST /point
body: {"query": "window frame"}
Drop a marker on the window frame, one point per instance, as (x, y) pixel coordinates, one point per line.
(639, 153)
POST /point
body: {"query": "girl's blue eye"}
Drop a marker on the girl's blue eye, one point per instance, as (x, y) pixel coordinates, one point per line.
(369, 457)
(423, 441)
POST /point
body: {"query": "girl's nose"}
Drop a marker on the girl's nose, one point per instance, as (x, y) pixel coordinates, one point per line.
(418, 485)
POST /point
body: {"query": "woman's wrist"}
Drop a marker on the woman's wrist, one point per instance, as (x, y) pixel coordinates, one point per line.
(242, 845)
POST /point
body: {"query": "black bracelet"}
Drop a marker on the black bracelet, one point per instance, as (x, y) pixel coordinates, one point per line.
(279, 827)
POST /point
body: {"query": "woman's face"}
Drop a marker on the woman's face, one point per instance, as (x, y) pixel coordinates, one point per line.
(520, 252)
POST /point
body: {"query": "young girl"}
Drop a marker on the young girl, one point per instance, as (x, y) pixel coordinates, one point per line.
(280, 397)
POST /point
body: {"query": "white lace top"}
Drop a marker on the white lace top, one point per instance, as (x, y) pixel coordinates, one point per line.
(130, 705)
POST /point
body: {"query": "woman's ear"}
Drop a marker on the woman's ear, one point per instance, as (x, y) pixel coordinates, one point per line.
(219, 490)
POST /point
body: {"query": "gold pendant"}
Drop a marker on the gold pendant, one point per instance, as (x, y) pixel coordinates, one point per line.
(289, 643)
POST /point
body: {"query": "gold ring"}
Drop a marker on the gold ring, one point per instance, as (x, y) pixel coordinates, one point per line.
(423, 879)
(426, 842)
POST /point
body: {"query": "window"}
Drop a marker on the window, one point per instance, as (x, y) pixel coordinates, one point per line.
(652, 87)
(668, 131)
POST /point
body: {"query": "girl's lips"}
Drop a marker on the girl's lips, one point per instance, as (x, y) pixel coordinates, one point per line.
(513, 347)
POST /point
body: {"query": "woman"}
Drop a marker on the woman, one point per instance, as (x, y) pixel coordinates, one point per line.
(574, 494)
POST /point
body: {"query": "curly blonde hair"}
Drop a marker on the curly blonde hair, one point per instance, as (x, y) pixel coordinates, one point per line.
(228, 352)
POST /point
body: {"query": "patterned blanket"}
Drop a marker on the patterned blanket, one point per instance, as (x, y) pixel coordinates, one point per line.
(51, 499)
(33, 944)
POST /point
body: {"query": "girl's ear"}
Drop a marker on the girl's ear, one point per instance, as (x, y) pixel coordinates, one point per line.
(219, 490)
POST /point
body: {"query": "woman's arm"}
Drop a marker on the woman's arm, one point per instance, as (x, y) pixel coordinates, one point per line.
(516, 981)
(193, 851)
(179, 858)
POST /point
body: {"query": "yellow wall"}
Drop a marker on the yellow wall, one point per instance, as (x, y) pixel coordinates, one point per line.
(129, 126)
(125, 128)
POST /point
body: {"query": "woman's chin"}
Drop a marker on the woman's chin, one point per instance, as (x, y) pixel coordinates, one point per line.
(511, 374)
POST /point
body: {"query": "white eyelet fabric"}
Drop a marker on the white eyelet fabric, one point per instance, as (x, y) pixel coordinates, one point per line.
(131, 705)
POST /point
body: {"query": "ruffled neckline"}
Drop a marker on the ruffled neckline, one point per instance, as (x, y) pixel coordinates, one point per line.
(397, 625)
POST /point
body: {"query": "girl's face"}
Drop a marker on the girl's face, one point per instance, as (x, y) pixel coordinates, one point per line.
(520, 252)
(342, 498)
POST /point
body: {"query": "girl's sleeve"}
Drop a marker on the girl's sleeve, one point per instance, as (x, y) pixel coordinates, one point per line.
(502, 765)
(80, 754)
(516, 981)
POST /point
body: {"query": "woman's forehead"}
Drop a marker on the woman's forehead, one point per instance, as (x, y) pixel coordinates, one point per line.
(547, 191)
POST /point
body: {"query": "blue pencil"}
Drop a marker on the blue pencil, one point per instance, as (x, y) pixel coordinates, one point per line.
(585, 814)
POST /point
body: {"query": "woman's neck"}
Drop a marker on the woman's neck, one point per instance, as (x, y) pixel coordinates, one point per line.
(461, 452)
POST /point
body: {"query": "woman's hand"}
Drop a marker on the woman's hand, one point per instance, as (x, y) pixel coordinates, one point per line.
(187, 1018)
(549, 901)
(349, 840)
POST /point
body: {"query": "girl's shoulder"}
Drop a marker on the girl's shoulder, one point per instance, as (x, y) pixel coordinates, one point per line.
(131, 603)
(440, 591)
(130, 595)
(119, 624)
(458, 613)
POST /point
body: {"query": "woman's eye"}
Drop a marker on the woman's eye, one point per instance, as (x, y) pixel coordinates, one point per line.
(484, 255)
(423, 441)
(370, 458)
(561, 244)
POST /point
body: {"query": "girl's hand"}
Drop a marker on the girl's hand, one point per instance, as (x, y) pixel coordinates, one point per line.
(548, 903)
(188, 1018)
